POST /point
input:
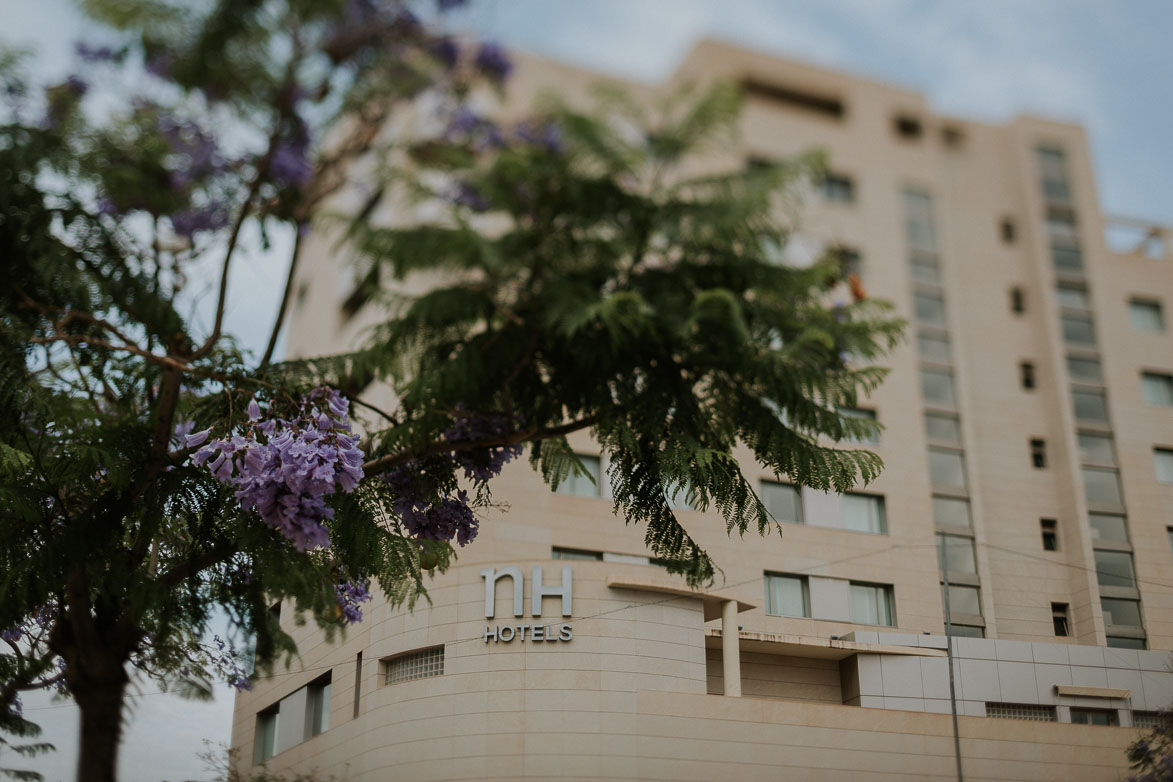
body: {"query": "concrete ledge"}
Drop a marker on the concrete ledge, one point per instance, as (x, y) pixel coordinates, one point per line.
(809, 646)
(712, 600)
(1091, 692)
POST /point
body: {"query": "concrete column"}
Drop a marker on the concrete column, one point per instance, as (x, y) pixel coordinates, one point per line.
(731, 649)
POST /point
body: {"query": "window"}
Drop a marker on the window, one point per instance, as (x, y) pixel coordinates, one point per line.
(265, 741)
(1096, 449)
(1148, 720)
(1118, 642)
(1158, 388)
(907, 127)
(580, 555)
(1094, 717)
(1067, 259)
(1163, 460)
(1060, 618)
(1078, 329)
(872, 437)
(951, 512)
(782, 501)
(1108, 527)
(1085, 369)
(1090, 405)
(580, 485)
(1146, 315)
(946, 468)
(934, 347)
(307, 707)
(787, 595)
(942, 428)
(1026, 375)
(1061, 226)
(963, 600)
(1102, 487)
(930, 308)
(864, 513)
(828, 106)
(1021, 711)
(318, 707)
(957, 553)
(414, 665)
(1072, 296)
(966, 631)
(1008, 230)
(1050, 530)
(1017, 300)
(937, 387)
(1114, 568)
(1038, 453)
(872, 604)
(918, 219)
(925, 268)
(855, 512)
(838, 188)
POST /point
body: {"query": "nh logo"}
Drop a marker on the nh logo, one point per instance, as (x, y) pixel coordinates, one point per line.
(537, 590)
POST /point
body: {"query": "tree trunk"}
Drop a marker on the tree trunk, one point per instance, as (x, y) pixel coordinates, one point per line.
(100, 701)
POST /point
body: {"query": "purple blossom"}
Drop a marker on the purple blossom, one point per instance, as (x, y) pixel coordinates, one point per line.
(196, 219)
(466, 195)
(492, 61)
(160, 64)
(447, 51)
(467, 126)
(350, 595)
(285, 469)
(77, 85)
(444, 516)
(95, 54)
(547, 135)
(290, 164)
(11, 634)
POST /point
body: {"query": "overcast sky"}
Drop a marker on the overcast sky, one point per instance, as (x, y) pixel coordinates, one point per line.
(1107, 65)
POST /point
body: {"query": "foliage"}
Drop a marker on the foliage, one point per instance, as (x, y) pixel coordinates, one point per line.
(597, 279)
(1151, 756)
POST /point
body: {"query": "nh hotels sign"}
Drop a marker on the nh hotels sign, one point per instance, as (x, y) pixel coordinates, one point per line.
(546, 632)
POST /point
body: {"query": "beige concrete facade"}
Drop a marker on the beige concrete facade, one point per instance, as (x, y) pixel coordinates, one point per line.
(957, 223)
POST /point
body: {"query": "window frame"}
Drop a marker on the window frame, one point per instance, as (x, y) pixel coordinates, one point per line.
(885, 597)
(804, 586)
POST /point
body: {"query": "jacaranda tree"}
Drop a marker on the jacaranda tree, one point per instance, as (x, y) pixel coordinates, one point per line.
(152, 473)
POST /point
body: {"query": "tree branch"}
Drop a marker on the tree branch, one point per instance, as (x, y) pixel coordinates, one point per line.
(281, 310)
(383, 463)
(233, 238)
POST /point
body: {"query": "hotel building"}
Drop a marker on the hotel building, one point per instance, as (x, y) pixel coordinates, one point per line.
(1028, 490)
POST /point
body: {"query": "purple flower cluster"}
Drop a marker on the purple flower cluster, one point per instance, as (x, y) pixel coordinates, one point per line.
(229, 664)
(547, 135)
(95, 54)
(492, 61)
(449, 515)
(425, 517)
(465, 194)
(466, 126)
(195, 219)
(11, 634)
(290, 164)
(350, 596)
(482, 464)
(285, 469)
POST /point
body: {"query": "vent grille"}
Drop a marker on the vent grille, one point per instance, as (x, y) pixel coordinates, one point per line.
(1147, 720)
(416, 665)
(1021, 711)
